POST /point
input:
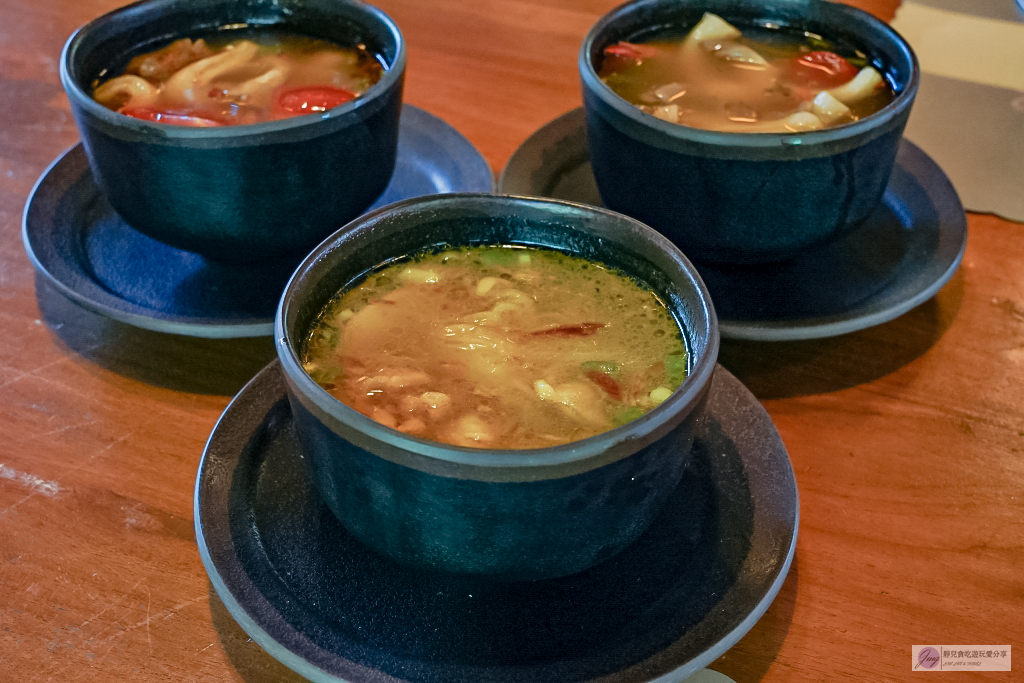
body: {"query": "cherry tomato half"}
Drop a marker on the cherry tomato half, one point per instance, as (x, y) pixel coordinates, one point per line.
(628, 52)
(313, 98)
(822, 69)
(170, 117)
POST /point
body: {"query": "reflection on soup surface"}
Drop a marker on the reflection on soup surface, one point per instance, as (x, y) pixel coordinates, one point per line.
(267, 75)
(498, 347)
(718, 78)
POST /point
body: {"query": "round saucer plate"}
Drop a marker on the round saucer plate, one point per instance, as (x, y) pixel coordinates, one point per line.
(76, 241)
(332, 610)
(899, 258)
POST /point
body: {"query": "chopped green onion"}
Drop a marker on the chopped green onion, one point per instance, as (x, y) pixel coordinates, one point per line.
(499, 257)
(677, 368)
(627, 415)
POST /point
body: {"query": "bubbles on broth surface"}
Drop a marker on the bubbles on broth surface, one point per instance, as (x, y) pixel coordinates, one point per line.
(498, 347)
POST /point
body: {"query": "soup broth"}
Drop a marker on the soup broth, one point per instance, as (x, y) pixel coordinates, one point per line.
(230, 80)
(765, 81)
(498, 347)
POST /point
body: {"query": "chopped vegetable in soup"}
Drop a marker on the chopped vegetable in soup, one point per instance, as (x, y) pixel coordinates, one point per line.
(717, 78)
(264, 77)
(498, 347)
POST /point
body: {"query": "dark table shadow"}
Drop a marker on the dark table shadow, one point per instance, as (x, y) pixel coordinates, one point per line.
(816, 366)
(199, 366)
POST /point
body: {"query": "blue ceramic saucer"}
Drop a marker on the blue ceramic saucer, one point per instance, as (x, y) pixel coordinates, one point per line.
(897, 259)
(334, 611)
(76, 241)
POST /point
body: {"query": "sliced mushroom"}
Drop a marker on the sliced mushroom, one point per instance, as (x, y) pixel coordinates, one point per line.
(161, 65)
(735, 53)
(258, 90)
(181, 87)
(668, 112)
(576, 400)
(471, 430)
(126, 91)
(802, 121)
(829, 109)
(667, 93)
(860, 87)
(712, 27)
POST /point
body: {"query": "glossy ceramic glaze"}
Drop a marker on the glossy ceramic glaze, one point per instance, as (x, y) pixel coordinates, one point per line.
(744, 197)
(899, 257)
(325, 605)
(83, 247)
(509, 514)
(238, 193)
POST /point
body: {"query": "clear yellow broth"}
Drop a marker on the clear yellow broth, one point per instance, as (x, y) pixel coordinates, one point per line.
(498, 347)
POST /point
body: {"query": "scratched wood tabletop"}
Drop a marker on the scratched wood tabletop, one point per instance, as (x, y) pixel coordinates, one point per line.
(907, 439)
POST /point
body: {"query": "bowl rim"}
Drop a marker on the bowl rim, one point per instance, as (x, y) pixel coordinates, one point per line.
(391, 75)
(823, 136)
(601, 448)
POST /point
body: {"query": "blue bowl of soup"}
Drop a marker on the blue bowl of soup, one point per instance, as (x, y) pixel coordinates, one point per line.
(509, 514)
(742, 193)
(265, 190)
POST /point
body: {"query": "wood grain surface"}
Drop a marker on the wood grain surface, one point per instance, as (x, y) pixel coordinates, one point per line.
(907, 439)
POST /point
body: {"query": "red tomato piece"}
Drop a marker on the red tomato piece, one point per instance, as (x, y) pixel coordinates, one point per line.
(576, 330)
(822, 69)
(170, 117)
(624, 50)
(606, 382)
(308, 99)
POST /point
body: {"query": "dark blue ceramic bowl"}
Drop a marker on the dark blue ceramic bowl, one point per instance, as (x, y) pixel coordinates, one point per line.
(509, 514)
(744, 197)
(238, 193)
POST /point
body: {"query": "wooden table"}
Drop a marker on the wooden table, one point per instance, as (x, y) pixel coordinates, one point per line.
(907, 439)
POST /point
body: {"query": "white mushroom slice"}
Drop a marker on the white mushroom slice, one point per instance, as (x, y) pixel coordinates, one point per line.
(829, 109)
(259, 89)
(859, 87)
(712, 27)
(736, 53)
(668, 112)
(485, 285)
(437, 404)
(576, 400)
(801, 121)
(470, 430)
(126, 91)
(181, 86)
(664, 93)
